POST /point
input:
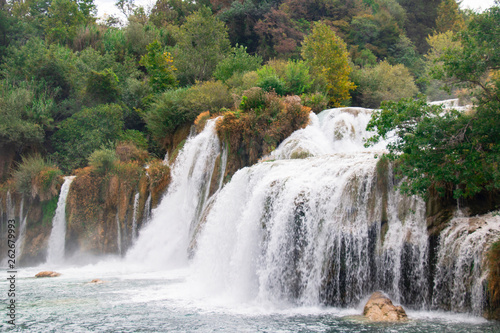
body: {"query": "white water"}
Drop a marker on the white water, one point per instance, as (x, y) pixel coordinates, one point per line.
(460, 280)
(118, 234)
(164, 241)
(22, 231)
(57, 239)
(134, 217)
(147, 210)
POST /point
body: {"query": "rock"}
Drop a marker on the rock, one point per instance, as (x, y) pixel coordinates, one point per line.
(47, 274)
(96, 281)
(380, 308)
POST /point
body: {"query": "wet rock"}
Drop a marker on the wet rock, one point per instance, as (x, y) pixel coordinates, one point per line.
(47, 274)
(380, 308)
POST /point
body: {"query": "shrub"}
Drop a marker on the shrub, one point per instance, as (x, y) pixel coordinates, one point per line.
(36, 176)
(316, 101)
(134, 137)
(176, 107)
(253, 98)
(259, 131)
(297, 78)
(239, 61)
(102, 160)
(270, 81)
(102, 87)
(86, 131)
(128, 151)
(383, 82)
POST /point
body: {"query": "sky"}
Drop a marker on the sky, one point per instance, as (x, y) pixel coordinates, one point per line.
(108, 6)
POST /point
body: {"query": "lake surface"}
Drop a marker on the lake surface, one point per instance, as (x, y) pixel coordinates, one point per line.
(133, 300)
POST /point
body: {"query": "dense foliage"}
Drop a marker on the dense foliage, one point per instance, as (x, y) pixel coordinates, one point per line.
(72, 86)
(452, 151)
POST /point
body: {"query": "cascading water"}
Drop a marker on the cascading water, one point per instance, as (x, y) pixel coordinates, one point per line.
(164, 241)
(308, 231)
(134, 216)
(118, 234)
(22, 230)
(460, 280)
(320, 223)
(147, 210)
(57, 239)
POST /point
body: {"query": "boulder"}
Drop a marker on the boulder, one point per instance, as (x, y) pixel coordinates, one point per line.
(380, 308)
(47, 274)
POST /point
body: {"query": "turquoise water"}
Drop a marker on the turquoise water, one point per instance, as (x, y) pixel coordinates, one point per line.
(131, 300)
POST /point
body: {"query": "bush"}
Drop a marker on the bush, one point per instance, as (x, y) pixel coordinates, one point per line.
(86, 131)
(176, 107)
(253, 98)
(102, 87)
(269, 80)
(135, 137)
(382, 83)
(102, 160)
(297, 78)
(260, 130)
(316, 101)
(36, 176)
(239, 61)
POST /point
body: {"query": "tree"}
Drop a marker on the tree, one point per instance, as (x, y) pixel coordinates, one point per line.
(327, 57)
(159, 65)
(64, 17)
(102, 87)
(449, 17)
(84, 132)
(203, 43)
(453, 152)
(239, 61)
(383, 82)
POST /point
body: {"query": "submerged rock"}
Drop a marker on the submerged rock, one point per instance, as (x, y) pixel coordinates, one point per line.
(47, 274)
(380, 308)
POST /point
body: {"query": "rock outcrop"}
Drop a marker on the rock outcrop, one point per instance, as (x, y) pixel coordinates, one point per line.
(380, 308)
(47, 274)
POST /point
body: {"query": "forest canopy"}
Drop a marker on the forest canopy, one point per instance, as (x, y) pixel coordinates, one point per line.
(72, 83)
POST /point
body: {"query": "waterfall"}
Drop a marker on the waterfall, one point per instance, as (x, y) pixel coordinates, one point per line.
(164, 241)
(57, 239)
(316, 223)
(461, 271)
(147, 210)
(22, 230)
(134, 216)
(118, 234)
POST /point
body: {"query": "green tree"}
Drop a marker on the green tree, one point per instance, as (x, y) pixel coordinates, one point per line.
(454, 152)
(159, 65)
(84, 132)
(203, 43)
(449, 17)
(383, 82)
(102, 87)
(327, 57)
(239, 61)
(64, 17)
(439, 43)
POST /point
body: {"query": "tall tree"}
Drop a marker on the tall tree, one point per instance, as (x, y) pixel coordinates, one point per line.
(203, 42)
(326, 54)
(449, 17)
